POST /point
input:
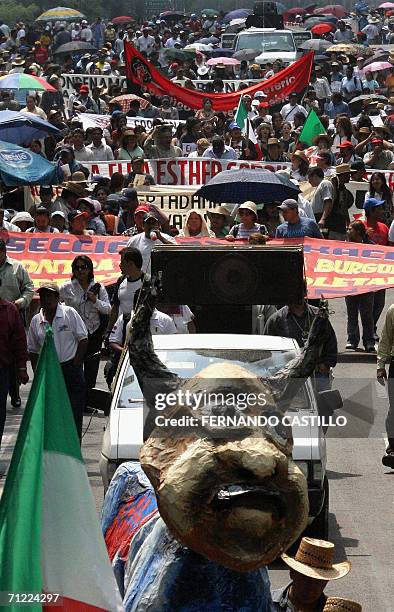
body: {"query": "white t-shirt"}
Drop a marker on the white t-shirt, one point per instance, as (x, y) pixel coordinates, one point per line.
(160, 324)
(68, 330)
(145, 44)
(182, 319)
(126, 292)
(145, 246)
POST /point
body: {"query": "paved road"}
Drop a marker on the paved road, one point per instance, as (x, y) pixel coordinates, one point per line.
(361, 489)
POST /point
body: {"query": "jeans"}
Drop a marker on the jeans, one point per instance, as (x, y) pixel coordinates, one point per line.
(76, 388)
(91, 362)
(362, 304)
(378, 305)
(4, 385)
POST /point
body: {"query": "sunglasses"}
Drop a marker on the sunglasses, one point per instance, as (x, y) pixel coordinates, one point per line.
(79, 268)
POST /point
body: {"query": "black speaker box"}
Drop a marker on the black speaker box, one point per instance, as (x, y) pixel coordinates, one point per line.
(268, 20)
(228, 274)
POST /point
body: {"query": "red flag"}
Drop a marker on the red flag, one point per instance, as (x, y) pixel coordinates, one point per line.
(293, 78)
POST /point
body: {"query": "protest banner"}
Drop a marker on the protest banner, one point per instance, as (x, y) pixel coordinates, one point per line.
(91, 80)
(90, 120)
(229, 86)
(333, 269)
(293, 78)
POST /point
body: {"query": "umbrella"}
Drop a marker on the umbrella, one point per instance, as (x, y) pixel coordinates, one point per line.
(220, 52)
(122, 19)
(296, 10)
(198, 47)
(124, 101)
(311, 21)
(364, 97)
(379, 56)
(238, 14)
(211, 40)
(61, 13)
(316, 44)
(238, 186)
(227, 61)
(179, 54)
(386, 5)
(22, 128)
(322, 28)
(347, 48)
(19, 80)
(377, 67)
(209, 13)
(22, 167)
(332, 9)
(246, 54)
(172, 15)
(76, 45)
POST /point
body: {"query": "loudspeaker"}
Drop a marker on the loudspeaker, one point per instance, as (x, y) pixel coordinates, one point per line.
(264, 8)
(268, 20)
(228, 274)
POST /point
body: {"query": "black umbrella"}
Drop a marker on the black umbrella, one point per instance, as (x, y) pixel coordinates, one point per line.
(74, 46)
(246, 54)
(317, 44)
(361, 99)
(238, 186)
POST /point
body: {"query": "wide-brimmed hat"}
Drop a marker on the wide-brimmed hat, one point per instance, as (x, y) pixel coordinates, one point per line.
(202, 70)
(301, 155)
(23, 216)
(249, 206)
(314, 558)
(273, 141)
(342, 169)
(373, 20)
(339, 604)
(76, 188)
(325, 137)
(219, 210)
(18, 61)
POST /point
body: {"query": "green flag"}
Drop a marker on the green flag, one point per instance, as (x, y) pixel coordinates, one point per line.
(312, 128)
(241, 114)
(50, 538)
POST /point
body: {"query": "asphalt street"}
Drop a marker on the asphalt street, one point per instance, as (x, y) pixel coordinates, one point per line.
(361, 489)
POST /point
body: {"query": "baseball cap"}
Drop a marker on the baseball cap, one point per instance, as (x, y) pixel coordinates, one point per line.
(46, 188)
(41, 210)
(234, 126)
(346, 145)
(150, 215)
(58, 213)
(263, 105)
(77, 213)
(255, 103)
(128, 194)
(84, 89)
(142, 208)
(260, 94)
(377, 141)
(372, 203)
(48, 286)
(289, 205)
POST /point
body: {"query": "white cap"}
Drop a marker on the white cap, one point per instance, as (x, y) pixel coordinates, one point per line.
(255, 103)
(58, 213)
(260, 94)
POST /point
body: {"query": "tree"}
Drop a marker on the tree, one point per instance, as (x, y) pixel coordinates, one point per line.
(11, 12)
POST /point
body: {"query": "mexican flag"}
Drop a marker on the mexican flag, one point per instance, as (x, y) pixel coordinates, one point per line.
(50, 538)
(241, 118)
(312, 128)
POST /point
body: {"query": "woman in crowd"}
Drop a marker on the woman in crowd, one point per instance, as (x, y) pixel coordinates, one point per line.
(90, 300)
(23, 220)
(101, 193)
(195, 226)
(263, 135)
(247, 212)
(271, 217)
(379, 189)
(206, 113)
(93, 209)
(286, 136)
(129, 147)
(299, 166)
(344, 132)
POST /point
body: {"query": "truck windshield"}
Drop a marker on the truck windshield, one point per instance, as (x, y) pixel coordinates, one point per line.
(186, 363)
(267, 42)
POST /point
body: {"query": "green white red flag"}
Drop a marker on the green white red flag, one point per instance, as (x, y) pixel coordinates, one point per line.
(50, 539)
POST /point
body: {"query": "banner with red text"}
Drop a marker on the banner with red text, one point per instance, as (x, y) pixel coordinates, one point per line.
(333, 269)
(293, 78)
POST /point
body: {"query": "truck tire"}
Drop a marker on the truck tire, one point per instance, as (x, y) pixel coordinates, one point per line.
(319, 528)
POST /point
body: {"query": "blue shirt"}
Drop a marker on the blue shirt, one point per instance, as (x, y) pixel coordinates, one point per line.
(303, 227)
(332, 110)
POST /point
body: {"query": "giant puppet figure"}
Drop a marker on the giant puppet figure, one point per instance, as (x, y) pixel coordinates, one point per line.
(214, 510)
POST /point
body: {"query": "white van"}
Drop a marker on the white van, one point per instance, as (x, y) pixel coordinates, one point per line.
(273, 44)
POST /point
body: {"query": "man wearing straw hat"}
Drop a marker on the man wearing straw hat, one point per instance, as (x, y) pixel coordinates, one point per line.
(339, 604)
(310, 571)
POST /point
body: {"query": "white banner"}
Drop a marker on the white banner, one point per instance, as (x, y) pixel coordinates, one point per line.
(90, 120)
(92, 80)
(182, 170)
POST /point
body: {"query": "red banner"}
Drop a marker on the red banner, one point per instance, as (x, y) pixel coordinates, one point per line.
(333, 269)
(293, 78)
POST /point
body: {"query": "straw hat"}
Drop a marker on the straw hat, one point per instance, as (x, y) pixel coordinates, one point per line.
(338, 604)
(315, 558)
(342, 169)
(273, 141)
(301, 155)
(75, 188)
(219, 210)
(18, 61)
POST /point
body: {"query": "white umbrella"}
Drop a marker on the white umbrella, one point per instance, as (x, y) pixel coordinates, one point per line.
(198, 47)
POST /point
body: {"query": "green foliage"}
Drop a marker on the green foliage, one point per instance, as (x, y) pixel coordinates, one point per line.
(12, 12)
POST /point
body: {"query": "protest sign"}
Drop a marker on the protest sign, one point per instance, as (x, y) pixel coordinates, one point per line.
(333, 269)
(91, 80)
(90, 120)
(293, 78)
